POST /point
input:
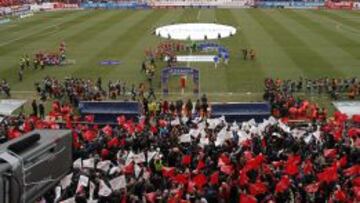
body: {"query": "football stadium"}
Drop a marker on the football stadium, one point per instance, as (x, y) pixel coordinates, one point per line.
(194, 101)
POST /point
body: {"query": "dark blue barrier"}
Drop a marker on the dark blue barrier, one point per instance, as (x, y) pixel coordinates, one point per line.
(108, 111)
(114, 5)
(241, 111)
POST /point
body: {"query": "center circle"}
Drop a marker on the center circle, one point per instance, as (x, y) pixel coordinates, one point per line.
(195, 31)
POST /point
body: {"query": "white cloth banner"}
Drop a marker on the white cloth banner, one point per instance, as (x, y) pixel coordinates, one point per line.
(118, 183)
(103, 165)
(104, 190)
(185, 138)
(66, 181)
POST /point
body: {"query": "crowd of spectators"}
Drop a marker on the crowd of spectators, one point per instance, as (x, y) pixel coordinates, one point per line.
(282, 95)
(170, 157)
(176, 153)
(334, 87)
(75, 89)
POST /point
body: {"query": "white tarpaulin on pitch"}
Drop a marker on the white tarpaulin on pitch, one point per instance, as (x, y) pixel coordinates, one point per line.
(8, 106)
(349, 108)
(194, 58)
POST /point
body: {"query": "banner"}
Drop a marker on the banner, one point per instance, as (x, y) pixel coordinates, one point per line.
(348, 5)
(113, 5)
(287, 4)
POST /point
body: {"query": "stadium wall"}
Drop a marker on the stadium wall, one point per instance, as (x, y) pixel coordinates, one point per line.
(288, 4)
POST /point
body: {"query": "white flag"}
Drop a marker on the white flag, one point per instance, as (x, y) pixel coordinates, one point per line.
(92, 189)
(66, 181)
(57, 193)
(103, 165)
(185, 138)
(176, 121)
(84, 180)
(114, 170)
(184, 119)
(77, 164)
(150, 156)
(118, 183)
(104, 190)
(204, 141)
(194, 132)
(308, 139)
(137, 170)
(139, 158)
(129, 158)
(89, 163)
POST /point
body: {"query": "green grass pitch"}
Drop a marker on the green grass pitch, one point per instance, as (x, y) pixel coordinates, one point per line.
(289, 44)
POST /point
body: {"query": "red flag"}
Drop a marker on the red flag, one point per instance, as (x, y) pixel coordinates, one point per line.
(181, 178)
(296, 159)
(39, 124)
(89, 118)
(283, 184)
(200, 180)
(214, 178)
(107, 130)
(223, 160)
(186, 160)
(89, 135)
(353, 132)
(340, 117)
(266, 169)
(200, 165)
(328, 175)
(356, 191)
(168, 171)
(248, 155)
(13, 133)
(69, 124)
(254, 163)
(352, 171)
(129, 126)
(356, 118)
(356, 181)
(151, 197)
(76, 142)
(343, 161)
(27, 126)
(330, 153)
(244, 198)
(337, 135)
(227, 169)
(340, 195)
(312, 188)
(277, 164)
(121, 120)
(243, 178)
(114, 142)
(128, 169)
(291, 169)
(154, 129)
(257, 188)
